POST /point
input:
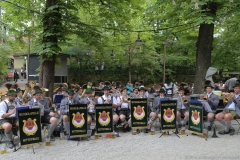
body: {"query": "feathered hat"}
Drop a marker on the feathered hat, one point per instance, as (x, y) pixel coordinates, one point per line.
(207, 83)
(8, 85)
(36, 90)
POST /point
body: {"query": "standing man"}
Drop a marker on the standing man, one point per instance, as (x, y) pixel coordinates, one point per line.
(46, 115)
(231, 110)
(15, 76)
(8, 116)
(170, 87)
(22, 73)
(230, 83)
(212, 101)
(64, 109)
(107, 99)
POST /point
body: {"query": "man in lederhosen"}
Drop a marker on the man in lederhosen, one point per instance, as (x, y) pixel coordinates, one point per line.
(91, 102)
(231, 110)
(157, 112)
(46, 115)
(212, 100)
(107, 99)
(182, 107)
(124, 109)
(8, 116)
(64, 109)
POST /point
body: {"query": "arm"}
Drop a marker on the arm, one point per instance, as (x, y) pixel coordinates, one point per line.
(3, 110)
(63, 109)
(214, 101)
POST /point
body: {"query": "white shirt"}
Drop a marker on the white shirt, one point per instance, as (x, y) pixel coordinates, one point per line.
(232, 105)
(170, 86)
(116, 100)
(3, 108)
(124, 104)
(209, 94)
(100, 101)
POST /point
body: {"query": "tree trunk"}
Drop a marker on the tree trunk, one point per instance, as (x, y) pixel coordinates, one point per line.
(204, 48)
(50, 21)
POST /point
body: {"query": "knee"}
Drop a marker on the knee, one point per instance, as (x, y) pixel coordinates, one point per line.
(228, 117)
(122, 117)
(159, 116)
(153, 115)
(219, 117)
(65, 118)
(186, 114)
(7, 127)
(89, 120)
(178, 114)
(115, 117)
(53, 120)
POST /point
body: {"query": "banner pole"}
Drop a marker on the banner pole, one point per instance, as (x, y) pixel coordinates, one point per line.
(33, 149)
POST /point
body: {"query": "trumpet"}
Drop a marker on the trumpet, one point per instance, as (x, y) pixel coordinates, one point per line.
(227, 96)
(205, 97)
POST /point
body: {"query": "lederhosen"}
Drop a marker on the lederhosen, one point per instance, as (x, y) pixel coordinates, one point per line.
(125, 111)
(11, 120)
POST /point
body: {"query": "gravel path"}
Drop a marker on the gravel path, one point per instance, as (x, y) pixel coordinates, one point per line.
(142, 146)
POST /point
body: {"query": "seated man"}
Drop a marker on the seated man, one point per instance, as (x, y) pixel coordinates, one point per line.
(106, 99)
(46, 115)
(124, 109)
(90, 101)
(182, 107)
(64, 109)
(212, 101)
(231, 110)
(8, 117)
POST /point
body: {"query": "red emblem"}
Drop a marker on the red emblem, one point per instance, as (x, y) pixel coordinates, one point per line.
(139, 110)
(78, 117)
(168, 113)
(195, 115)
(104, 116)
(29, 124)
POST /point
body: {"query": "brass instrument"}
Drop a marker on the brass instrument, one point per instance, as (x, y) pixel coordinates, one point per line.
(185, 101)
(31, 85)
(227, 96)
(27, 88)
(205, 97)
(44, 90)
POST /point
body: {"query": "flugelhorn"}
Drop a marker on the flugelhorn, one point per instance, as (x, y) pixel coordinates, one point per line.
(227, 96)
(185, 101)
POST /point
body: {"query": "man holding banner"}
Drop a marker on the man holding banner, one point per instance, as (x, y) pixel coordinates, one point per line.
(182, 107)
(8, 117)
(64, 109)
(46, 115)
(210, 104)
(90, 101)
(107, 99)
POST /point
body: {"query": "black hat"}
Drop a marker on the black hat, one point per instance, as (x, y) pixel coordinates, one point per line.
(207, 83)
(237, 84)
(142, 89)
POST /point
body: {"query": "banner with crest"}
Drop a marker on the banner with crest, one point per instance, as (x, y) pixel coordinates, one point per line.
(104, 118)
(78, 120)
(168, 115)
(30, 126)
(139, 113)
(196, 118)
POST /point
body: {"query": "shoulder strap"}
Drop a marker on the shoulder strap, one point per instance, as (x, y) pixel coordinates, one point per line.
(102, 99)
(7, 106)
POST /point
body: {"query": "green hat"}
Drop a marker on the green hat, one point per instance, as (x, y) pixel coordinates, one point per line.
(11, 93)
(18, 90)
(78, 88)
(162, 90)
(70, 91)
(181, 88)
(59, 89)
(124, 89)
(88, 91)
(237, 84)
(37, 91)
(64, 89)
(106, 88)
(208, 84)
(142, 89)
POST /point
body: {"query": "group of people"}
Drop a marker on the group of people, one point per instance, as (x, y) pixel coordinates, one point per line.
(16, 75)
(119, 96)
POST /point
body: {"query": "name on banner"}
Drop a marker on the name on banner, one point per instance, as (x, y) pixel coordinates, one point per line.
(105, 107)
(78, 131)
(76, 108)
(192, 127)
(104, 129)
(28, 114)
(199, 107)
(31, 139)
(139, 123)
(170, 125)
(168, 104)
(139, 102)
